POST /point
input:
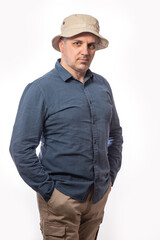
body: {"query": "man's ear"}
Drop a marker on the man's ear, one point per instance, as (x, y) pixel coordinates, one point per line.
(61, 45)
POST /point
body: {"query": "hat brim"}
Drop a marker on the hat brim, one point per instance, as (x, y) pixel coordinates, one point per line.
(101, 45)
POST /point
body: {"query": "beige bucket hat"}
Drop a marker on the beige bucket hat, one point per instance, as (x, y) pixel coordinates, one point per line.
(76, 24)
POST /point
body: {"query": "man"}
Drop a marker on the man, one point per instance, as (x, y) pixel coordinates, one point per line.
(72, 111)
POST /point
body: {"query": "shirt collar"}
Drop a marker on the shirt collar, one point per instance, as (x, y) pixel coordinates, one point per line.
(65, 75)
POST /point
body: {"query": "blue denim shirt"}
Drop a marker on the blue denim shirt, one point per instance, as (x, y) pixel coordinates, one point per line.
(79, 131)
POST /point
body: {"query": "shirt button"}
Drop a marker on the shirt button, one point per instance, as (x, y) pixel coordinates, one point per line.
(94, 141)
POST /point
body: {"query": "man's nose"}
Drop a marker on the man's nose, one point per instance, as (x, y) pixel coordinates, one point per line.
(84, 50)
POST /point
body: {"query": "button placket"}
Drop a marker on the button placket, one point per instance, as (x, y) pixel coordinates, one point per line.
(94, 135)
(94, 132)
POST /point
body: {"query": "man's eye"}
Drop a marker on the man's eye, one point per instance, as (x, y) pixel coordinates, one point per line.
(91, 46)
(77, 43)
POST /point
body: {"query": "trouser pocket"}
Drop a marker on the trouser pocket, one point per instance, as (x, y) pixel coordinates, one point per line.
(52, 232)
(96, 234)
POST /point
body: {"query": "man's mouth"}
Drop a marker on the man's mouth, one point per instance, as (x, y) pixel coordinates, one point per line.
(83, 59)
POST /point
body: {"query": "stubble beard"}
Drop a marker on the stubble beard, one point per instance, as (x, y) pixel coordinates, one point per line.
(80, 70)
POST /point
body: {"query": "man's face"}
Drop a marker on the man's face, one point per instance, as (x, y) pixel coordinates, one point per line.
(78, 52)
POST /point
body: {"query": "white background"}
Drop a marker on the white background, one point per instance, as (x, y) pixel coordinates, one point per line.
(131, 65)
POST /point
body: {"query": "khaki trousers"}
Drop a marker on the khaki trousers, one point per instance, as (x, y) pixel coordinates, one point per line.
(65, 218)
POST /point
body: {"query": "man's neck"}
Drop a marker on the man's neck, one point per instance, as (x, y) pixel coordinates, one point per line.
(79, 76)
(76, 74)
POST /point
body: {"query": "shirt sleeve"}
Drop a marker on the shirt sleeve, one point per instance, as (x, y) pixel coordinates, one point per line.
(115, 143)
(26, 136)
